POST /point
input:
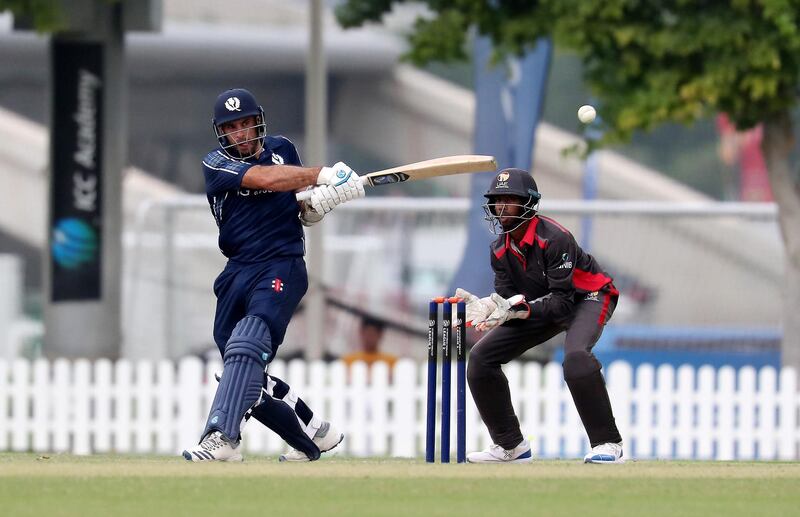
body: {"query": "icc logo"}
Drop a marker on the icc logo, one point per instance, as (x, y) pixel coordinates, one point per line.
(74, 243)
(232, 104)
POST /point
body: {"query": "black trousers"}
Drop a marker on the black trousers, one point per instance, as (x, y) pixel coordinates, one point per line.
(489, 385)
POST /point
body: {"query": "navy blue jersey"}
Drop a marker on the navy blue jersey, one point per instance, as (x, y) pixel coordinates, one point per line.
(254, 225)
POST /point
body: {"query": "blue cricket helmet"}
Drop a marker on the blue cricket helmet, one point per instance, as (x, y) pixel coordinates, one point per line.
(235, 104)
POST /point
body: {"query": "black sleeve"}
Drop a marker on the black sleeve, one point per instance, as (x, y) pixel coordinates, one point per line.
(559, 304)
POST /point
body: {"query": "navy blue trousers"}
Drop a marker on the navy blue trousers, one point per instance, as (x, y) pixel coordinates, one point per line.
(270, 290)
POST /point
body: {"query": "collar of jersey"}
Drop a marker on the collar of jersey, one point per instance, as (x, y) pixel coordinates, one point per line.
(530, 233)
(528, 238)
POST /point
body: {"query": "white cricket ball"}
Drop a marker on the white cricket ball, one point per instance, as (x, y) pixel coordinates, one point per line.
(586, 114)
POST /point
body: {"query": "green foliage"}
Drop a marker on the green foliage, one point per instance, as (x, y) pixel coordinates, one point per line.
(45, 15)
(648, 63)
(438, 39)
(356, 12)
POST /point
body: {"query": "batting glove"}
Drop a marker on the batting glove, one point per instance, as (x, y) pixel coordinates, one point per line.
(336, 175)
(309, 217)
(505, 309)
(352, 189)
(323, 199)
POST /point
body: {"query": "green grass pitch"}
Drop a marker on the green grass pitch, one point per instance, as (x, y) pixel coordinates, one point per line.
(152, 486)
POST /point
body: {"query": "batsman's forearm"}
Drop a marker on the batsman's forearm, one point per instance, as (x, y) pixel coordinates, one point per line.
(280, 178)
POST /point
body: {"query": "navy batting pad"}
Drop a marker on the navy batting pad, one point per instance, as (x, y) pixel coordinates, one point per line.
(246, 356)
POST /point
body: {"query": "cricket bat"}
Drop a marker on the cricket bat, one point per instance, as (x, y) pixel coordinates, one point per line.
(445, 166)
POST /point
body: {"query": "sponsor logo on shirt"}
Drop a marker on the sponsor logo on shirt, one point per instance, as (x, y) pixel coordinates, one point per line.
(244, 192)
(567, 263)
(592, 297)
(277, 285)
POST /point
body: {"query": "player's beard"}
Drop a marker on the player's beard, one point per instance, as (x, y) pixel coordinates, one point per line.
(508, 223)
(249, 149)
(512, 224)
(246, 148)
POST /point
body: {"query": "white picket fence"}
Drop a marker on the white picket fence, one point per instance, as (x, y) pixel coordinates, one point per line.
(146, 407)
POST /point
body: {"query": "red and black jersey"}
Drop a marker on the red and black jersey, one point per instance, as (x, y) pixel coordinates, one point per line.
(548, 268)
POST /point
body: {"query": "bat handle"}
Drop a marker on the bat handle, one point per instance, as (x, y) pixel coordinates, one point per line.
(306, 194)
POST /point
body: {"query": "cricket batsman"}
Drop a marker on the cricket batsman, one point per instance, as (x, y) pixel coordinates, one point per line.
(251, 180)
(544, 284)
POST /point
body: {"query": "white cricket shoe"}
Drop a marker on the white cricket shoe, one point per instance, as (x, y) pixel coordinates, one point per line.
(326, 438)
(214, 447)
(496, 454)
(605, 453)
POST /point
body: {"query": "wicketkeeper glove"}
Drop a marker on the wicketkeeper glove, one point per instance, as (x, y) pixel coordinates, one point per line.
(505, 309)
(478, 309)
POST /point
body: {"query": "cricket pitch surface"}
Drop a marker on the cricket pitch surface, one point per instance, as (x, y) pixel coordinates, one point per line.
(123, 485)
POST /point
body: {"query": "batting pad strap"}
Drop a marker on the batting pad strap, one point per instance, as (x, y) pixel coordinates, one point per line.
(277, 389)
(281, 418)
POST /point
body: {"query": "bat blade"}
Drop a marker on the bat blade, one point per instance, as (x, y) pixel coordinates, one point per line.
(445, 166)
(459, 164)
(385, 179)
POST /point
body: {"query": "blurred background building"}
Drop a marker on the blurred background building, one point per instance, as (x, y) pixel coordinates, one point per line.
(682, 269)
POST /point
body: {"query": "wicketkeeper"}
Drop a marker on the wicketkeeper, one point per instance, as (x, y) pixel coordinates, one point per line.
(545, 284)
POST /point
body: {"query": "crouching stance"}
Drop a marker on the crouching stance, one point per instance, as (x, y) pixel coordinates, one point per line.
(545, 284)
(251, 180)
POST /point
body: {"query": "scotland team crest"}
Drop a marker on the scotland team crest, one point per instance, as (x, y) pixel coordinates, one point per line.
(233, 104)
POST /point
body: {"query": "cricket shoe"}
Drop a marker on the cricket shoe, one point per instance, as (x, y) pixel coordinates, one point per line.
(496, 454)
(605, 453)
(214, 447)
(326, 438)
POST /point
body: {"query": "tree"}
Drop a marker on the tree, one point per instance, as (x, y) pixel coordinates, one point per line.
(45, 15)
(649, 63)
